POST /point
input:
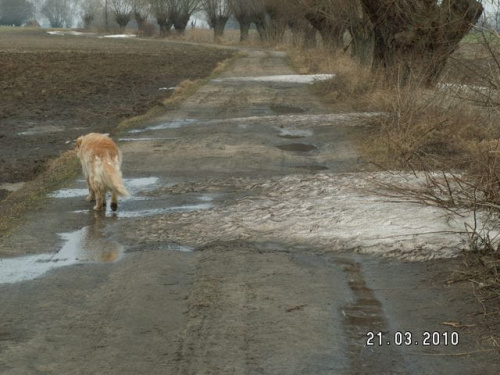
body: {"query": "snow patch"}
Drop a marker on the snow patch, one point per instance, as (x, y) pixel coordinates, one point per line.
(330, 211)
(290, 78)
(118, 36)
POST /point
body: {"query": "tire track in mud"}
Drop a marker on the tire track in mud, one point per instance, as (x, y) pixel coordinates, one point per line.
(254, 311)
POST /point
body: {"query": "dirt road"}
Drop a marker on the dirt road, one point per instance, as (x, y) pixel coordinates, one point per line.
(236, 254)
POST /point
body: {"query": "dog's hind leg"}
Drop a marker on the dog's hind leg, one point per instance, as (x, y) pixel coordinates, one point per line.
(114, 201)
(99, 204)
(100, 201)
(91, 196)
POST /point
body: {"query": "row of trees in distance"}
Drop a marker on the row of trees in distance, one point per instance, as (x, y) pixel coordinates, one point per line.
(402, 36)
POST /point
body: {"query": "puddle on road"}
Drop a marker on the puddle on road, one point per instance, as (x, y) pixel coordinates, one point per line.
(294, 133)
(157, 211)
(150, 206)
(298, 147)
(165, 125)
(146, 139)
(133, 185)
(69, 193)
(46, 129)
(86, 245)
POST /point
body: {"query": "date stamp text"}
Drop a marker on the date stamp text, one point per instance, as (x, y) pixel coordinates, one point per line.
(407, 338)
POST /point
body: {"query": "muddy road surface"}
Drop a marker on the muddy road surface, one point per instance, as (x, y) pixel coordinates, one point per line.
(254, 242)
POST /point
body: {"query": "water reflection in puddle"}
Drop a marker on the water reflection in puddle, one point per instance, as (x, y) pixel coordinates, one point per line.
(86, 245)
(153, 211)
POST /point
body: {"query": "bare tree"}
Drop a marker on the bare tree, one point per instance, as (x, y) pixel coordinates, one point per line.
(243, 11)
(276, 19)
(361, 31)
(418, 36)
(180, 11)
(59, 12)
(161, 11)
(217, 12)
(329, 17)
(122, 11)
(89, 10)
(141, 12)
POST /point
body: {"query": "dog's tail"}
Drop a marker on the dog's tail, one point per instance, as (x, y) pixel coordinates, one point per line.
(113, 179)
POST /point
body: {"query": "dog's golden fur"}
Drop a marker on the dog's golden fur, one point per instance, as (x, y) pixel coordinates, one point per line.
(101, 163)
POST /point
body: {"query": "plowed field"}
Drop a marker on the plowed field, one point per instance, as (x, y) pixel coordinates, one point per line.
(56, 87)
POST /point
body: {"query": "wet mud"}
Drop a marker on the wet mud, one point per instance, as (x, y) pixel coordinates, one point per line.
(297, 147)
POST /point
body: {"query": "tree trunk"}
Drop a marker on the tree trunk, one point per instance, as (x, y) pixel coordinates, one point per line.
(244, 31)
(310, 38)
(245, 21)
(180, 23)
(87, 20)
(165, 26)
(416, 38)
(362, 46)
(261, 25)
(331, 32)
(141, 22)
(218, 23)
(362, 38)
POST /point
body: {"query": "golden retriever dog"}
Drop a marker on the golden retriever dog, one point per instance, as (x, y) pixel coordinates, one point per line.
(101, 163)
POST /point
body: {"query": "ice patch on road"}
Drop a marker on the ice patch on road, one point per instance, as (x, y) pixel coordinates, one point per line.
(304, 121)
(176, 124)
(163, 210)
(289, 78)
(331, 211)
(294, 133)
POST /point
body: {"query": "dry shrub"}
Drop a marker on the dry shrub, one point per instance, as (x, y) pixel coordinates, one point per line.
(206, 36)
(453, 128)
(484, 169)
(353, 88)
(425, 129)
(316, 60)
